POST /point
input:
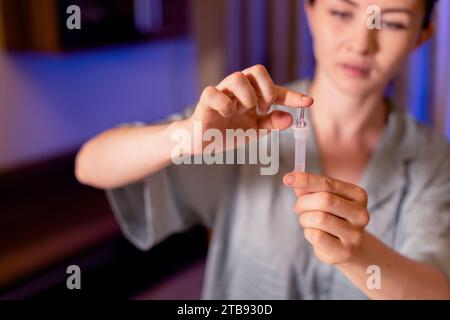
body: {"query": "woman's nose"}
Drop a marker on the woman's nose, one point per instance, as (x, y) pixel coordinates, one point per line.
(363, 40)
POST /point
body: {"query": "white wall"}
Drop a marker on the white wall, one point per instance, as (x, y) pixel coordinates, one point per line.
(52, 103)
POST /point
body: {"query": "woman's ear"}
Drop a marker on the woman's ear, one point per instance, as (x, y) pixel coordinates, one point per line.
(425, 35)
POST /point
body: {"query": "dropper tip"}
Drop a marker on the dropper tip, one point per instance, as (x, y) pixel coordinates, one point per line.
(301, 122)
(302, 113)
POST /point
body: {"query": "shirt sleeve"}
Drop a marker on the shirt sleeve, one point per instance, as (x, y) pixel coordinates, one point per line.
(170, 200)
(424, 228)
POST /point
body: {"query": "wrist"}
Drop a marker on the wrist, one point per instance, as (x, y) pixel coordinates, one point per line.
(359, 257)
(181, 135)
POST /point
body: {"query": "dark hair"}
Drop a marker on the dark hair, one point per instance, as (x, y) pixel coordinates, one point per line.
(429, 8)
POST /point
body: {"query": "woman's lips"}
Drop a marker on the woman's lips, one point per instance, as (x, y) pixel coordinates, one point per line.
(355, 71)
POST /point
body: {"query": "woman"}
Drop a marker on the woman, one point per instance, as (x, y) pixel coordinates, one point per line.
(372, 213)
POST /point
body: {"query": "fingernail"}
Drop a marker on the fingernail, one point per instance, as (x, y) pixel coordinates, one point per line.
(289, 179)
(306, 98)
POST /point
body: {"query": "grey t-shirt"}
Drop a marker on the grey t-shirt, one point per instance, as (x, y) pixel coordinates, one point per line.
(258, 250)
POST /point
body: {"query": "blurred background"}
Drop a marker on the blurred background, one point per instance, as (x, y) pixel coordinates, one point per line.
(136, 60)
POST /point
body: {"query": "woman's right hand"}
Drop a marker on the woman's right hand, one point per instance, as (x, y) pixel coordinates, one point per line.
(232, 104)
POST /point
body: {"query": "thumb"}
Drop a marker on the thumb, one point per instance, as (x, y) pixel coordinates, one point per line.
(276, 120)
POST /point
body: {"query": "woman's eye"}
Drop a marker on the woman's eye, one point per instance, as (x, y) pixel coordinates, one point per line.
(344, 15)
(393, 26)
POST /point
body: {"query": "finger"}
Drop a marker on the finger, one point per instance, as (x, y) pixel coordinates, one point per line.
(300, 192)
(214, 99)
(240, 87)
(291, 98)
(322, 240)
(275, 120)
(265, 88)
(331, 224)
(331, 203)
(315, 183)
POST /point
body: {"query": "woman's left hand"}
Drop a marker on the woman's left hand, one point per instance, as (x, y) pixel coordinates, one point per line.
(333, 214)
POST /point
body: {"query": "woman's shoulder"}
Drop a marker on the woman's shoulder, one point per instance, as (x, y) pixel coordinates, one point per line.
(425, 140)
(427, 149)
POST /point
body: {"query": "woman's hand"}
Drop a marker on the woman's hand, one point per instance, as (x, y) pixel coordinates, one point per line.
(232, 104)
(333, 214)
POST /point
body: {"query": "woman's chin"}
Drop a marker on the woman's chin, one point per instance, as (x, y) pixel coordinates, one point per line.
(355, 85)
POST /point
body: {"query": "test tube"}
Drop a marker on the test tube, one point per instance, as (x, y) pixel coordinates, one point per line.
(301, 132)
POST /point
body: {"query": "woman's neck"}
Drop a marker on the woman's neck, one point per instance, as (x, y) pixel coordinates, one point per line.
(346, 116)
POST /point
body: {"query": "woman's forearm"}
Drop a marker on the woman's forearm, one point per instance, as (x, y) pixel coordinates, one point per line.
(401, 277)
(124, 155)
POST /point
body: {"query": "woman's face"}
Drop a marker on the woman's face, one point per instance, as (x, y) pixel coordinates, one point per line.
(354, 57)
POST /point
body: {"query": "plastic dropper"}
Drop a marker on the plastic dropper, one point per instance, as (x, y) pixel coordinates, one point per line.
(301, 132)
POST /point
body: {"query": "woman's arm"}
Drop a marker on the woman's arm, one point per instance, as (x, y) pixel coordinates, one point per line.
(401, 277)
(124, 155)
